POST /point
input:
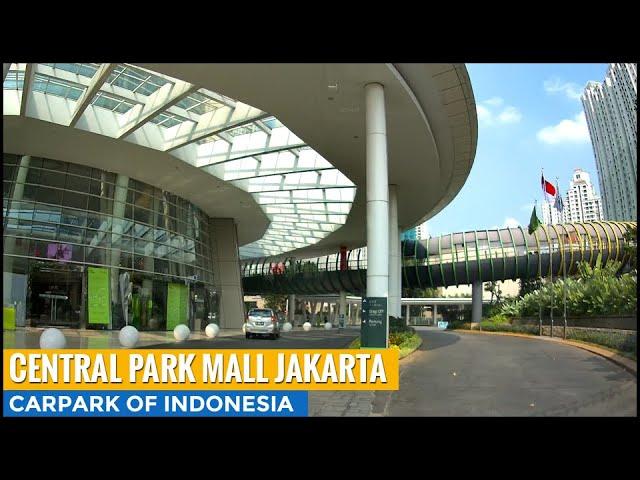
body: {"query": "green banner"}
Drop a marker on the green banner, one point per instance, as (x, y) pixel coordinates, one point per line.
(9, 318)
(177, 298)
(99, 303)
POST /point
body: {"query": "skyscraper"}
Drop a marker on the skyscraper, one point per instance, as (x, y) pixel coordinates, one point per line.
(581, 204)
(611, 112)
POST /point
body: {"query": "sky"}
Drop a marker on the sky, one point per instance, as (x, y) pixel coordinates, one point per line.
(529, 118)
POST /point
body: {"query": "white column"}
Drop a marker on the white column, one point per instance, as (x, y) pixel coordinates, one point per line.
(395, 279)
(342, 310)
(291, 309)
(377, 193)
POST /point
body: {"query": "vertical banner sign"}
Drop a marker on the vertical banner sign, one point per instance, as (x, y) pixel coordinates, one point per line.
(176, 305)
(99, 304)
(374, 322)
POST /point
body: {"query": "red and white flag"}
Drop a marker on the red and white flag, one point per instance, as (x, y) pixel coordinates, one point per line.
(547, 187)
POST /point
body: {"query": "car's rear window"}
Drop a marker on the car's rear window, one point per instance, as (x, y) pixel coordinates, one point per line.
(260, 313)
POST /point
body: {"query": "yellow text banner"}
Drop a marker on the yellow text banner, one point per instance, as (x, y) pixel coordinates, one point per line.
(145, 369)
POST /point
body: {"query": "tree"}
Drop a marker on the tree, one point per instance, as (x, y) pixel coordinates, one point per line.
(631, 244)
(276, 302)
(529, 285)
(495, 290)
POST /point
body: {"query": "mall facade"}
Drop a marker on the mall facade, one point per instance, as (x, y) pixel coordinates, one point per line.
(133, 193)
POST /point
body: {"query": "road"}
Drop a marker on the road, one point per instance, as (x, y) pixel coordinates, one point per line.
(467, 374)
(316, 338)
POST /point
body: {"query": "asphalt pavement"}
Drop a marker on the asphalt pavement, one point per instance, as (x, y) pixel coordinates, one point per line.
(466, 374)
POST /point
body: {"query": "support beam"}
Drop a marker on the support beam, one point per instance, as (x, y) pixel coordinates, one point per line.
(342, 309)
(90, 92)
(213, 123)
(226, 271)
(377, 193)
(26, 89)
(395, 274)
(160, 100)
(476, 303)
(435, 314)
(291, 309)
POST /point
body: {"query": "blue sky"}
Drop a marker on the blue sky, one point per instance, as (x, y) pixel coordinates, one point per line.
(529, 117)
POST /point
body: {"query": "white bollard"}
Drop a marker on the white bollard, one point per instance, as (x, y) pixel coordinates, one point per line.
(212, 330)
(181, 332)
(128, 336)
(244, 328)
(52, 338)
(287, 327)
(306, 326)
(328, 326)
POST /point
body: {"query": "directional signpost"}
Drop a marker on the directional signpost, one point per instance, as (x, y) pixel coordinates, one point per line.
(374, 322)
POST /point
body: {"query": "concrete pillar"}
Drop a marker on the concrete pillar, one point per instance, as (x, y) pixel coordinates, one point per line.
(395, 279)
(226, 271)
(291, 309)
(476, 302)
(119, 203)
(435, 315)
(377, 193)
(342, 308)
(9, 294)
(407, 310)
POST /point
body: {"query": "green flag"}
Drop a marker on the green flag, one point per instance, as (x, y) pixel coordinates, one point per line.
(534, 223)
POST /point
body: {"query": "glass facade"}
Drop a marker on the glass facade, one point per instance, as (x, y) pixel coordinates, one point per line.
(60, 218)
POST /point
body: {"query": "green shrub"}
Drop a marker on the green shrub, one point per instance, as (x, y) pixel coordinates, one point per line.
(596, 291)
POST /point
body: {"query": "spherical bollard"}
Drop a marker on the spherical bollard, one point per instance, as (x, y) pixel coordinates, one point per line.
(327, 326)
(181, 332)
(128, 336)
(52, 338)
(287, 327)
(212, 330)
(306, 326)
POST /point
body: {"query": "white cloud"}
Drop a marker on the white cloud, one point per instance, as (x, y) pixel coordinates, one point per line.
(570, 89)
(510, 223)
(484, 115)
(567, 131)
(494, 102)
(510, 115)
(489, 112)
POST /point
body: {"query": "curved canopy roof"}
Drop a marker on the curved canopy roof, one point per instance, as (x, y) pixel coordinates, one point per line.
(178, 124)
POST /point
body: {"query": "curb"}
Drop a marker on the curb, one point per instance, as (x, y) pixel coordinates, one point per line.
(413, 351)
(629, 365)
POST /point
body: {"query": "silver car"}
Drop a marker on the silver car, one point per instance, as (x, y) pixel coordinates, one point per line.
(262, 321)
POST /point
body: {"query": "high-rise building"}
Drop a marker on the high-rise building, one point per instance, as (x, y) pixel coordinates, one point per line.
(422, 232)
(581, 203)
(409, 234)
(611, 112)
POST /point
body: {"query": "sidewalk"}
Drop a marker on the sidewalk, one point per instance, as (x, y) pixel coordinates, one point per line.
(29, 337)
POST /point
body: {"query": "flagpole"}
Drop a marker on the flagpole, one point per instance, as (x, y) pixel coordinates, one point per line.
(564, 280)
(540, 290)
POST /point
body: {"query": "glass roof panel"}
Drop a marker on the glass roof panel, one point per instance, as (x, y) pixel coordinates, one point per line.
(58, 87)
(168, 120)
(199, 103)
(14, 80)
(84, 69)
(136, 79)
(112, 102)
